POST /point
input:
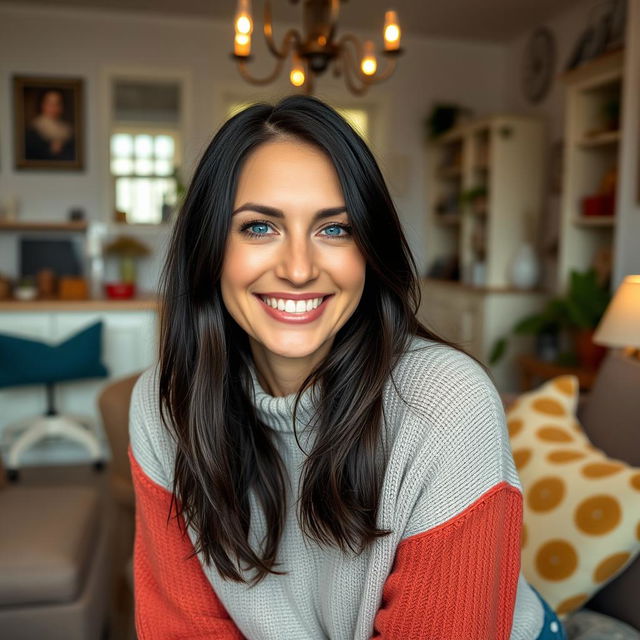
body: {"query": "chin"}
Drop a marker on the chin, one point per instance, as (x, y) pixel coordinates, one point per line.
(291, 348)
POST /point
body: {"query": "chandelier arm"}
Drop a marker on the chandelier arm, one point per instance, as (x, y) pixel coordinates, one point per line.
(244, 72)
(345, 55)
(350, 38)
(292, 34)
(389, 68)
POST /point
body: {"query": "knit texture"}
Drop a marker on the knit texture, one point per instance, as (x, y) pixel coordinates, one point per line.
(450, 495)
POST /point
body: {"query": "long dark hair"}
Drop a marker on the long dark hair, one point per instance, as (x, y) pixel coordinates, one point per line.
(224, 452)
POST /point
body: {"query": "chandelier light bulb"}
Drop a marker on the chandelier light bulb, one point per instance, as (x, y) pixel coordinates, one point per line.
(242, 44)
(296, 76)
(391, 31)
(369, 63)
(244, 23)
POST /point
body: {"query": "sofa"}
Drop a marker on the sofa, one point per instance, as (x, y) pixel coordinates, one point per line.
(609, 416)
(55, 554)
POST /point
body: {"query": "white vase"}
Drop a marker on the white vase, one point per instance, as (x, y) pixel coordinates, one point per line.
(524, 270)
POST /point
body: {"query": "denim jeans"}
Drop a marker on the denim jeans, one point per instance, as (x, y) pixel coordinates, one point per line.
(552, 628)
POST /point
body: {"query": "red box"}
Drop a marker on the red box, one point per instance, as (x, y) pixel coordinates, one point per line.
(120, 290)
(601, 204)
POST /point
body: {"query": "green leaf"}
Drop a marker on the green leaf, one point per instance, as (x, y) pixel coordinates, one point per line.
(499, 347)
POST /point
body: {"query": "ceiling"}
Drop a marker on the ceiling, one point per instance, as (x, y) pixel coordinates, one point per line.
(485, 20)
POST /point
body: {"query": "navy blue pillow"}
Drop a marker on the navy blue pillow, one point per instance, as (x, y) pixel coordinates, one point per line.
(24, 361)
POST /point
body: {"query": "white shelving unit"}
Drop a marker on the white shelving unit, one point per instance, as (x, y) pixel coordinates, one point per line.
(591, 161)
(501, 158)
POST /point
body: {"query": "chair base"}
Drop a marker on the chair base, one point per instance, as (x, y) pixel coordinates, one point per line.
(47, 426)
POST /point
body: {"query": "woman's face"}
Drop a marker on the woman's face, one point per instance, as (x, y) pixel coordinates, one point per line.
(282, 187)
(52, 105)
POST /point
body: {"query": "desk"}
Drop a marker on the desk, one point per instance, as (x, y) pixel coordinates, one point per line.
(532, 369)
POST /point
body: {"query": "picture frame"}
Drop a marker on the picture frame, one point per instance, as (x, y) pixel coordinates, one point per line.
(48, 123)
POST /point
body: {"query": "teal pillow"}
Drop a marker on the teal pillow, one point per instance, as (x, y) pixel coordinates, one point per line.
(24, 361)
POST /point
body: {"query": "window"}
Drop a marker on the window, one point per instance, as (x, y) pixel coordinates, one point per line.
(145, 147)
(143, 167)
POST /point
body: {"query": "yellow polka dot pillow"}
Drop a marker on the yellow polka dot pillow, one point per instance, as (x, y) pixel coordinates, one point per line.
(581, 508)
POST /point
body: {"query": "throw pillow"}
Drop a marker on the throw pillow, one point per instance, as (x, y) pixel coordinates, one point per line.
(24, 361)
(581, 508)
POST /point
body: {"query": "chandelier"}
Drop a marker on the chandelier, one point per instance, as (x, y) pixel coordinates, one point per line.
(317, 48)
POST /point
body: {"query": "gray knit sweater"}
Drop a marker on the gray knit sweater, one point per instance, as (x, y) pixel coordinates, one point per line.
(450, 494)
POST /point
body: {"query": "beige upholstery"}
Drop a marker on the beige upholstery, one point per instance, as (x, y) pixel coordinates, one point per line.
(611, 419)
(113, 403)
(54, 558)
(45, 565)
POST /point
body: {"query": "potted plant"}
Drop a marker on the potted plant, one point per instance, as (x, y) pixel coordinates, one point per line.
(127, 249)
(578, 313)
(476, 198)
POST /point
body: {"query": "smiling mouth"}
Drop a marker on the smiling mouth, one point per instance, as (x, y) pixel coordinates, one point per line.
(292, 312)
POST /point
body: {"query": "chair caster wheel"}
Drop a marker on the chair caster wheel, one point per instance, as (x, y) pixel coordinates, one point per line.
(13, 475)
(98, 465)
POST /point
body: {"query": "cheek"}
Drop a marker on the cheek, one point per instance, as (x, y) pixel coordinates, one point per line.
(241, 265)
(349, 270)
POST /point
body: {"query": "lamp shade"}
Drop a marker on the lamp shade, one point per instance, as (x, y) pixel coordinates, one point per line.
(620, 325)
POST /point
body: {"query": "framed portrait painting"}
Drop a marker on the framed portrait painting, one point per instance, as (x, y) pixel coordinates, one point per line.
(48, 123)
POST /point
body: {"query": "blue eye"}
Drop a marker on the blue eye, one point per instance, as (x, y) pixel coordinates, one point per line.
(246, 229)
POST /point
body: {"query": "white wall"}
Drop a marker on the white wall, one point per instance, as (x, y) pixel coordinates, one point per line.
(627, 259)
(84, 43)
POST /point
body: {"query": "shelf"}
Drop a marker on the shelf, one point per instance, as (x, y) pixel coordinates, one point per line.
(472, 288)
(145, 301)
(612, 60)
(600, 140)
(42, 226)
(447, 219)
(450, 172)
(594, 221)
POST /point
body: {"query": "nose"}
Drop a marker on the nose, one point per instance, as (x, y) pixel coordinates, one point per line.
(297, 261)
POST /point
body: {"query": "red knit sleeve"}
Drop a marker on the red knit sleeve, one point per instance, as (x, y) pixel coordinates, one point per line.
(458, 580)
(173, 597)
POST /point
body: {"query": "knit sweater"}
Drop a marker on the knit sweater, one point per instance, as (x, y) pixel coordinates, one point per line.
(450, 494)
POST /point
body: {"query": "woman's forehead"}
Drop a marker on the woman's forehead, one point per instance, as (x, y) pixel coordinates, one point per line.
(286, 171)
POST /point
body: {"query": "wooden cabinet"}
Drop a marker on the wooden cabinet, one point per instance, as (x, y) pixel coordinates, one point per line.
(590, 209)
(474, 317)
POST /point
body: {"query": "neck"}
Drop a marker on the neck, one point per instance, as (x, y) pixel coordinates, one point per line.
(280, 375)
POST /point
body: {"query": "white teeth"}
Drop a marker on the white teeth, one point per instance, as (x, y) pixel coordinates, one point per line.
(292, 306)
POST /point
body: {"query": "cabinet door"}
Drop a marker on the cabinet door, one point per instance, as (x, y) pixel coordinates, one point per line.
(455, 315)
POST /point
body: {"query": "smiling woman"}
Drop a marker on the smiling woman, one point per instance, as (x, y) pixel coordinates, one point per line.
(303, 250)
(336, 469)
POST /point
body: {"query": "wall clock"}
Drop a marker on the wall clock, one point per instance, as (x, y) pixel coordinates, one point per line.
(538, 64)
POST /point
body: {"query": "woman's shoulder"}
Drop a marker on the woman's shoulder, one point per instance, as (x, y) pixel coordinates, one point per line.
(152, 445)
(435, 377)
(454, 416)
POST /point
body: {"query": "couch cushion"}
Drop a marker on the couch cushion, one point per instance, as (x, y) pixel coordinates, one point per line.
(581, 508)
(46, 538)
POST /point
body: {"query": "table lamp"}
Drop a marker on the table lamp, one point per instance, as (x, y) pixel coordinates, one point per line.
(620, 325)
(610, 415)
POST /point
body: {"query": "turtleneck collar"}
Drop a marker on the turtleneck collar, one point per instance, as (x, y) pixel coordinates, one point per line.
(277, 411)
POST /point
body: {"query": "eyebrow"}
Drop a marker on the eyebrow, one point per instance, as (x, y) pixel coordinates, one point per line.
(278, 213)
